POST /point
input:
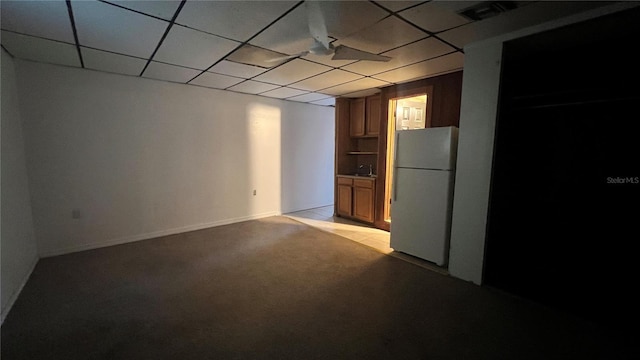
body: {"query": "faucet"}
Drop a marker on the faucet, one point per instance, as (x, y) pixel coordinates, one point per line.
(370, 169)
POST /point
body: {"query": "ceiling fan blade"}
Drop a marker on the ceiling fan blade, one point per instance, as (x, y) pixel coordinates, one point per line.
(347, 53)
(317, 26)
(281, 58)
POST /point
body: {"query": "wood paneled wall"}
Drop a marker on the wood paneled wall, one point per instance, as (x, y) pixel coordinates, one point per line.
(443, 109)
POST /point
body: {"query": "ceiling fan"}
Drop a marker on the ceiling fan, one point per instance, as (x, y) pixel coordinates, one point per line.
(322, 45)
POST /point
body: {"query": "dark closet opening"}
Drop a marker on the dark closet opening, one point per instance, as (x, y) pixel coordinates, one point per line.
(564, 213)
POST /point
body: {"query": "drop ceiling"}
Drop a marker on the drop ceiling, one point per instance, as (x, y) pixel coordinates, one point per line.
(202, 43)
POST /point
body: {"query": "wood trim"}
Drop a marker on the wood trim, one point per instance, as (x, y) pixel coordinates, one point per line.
(342, 141)
(378, 220)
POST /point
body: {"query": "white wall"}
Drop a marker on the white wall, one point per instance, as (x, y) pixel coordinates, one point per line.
(137, 158)
(17, 241)
(308, 149)
(480, 83)
(480, 86)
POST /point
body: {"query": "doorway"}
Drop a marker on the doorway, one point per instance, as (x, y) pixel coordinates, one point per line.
(564, 192)
(405, 113)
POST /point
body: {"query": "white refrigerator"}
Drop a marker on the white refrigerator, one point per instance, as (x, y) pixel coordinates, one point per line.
(422, 192)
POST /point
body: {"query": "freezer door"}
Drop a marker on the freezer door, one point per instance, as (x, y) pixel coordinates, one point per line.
(431, 148)
(421, 214)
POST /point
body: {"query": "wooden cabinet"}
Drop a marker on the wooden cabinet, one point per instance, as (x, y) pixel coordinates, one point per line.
(372, 116)
(357, 111)
(364, 116)
(355, 198)
(345, 197)
(358, 122)
(363, 195)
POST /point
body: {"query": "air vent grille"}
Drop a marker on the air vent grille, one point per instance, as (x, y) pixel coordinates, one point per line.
(487, 9)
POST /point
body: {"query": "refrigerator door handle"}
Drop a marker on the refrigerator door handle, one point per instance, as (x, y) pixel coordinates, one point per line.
(395, 148)
(394, 191)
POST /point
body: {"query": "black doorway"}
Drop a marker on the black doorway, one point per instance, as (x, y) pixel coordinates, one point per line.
(565, 198)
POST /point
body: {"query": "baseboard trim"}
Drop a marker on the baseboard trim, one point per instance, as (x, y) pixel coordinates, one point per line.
(16, 293)
(151, 235)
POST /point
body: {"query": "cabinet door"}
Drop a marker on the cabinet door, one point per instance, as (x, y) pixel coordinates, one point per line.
(344, 200)
(363, 203)
(372, 122)
(356, 112)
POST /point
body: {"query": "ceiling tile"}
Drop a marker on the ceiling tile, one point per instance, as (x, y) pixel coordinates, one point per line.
(167, 72)
(325, 102)
(362, 84)
(412, 53)
(290, 35)
(325, 80)
(309, 97)
(397, 5)
(192, 48)
(42, 50)
(164, 9)
(294, 70)
(326, 60)
(257, 56)
(384, 35)
(107, 27)
(437, 16)
(47, 19)
(237, 20)
(424, 69)
(110, 62)
(283, 92)
(344, 18)
(236, 69)
(253, 87)
(216, 81)
(461, 35)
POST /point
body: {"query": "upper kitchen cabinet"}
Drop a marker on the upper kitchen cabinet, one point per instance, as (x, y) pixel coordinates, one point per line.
(356, 117)
(364, 116)
(372, 115)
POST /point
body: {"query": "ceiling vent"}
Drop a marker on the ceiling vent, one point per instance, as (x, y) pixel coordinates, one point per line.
(487, 9)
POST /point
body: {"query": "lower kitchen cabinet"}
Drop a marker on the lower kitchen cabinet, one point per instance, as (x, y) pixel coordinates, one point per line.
(356, 198)
(344, 200)
(363, 200)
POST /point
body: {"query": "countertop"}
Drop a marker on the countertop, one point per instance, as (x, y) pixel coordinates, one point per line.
(354, 176)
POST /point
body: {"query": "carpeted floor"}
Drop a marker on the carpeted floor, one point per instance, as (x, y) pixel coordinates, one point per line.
(276, 289)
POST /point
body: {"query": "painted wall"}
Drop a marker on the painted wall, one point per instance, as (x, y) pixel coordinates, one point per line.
(480, 84)
(17, 240)
(307, 153)
(480, 90)
(114, 159)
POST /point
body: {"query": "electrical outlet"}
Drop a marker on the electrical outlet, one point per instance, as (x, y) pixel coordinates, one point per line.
(75, 214)
(254, 192)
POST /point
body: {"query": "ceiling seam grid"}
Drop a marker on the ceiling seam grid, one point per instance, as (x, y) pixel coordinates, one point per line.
(288, 85)
(247, 41)
(75, 32)
(164, 36)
